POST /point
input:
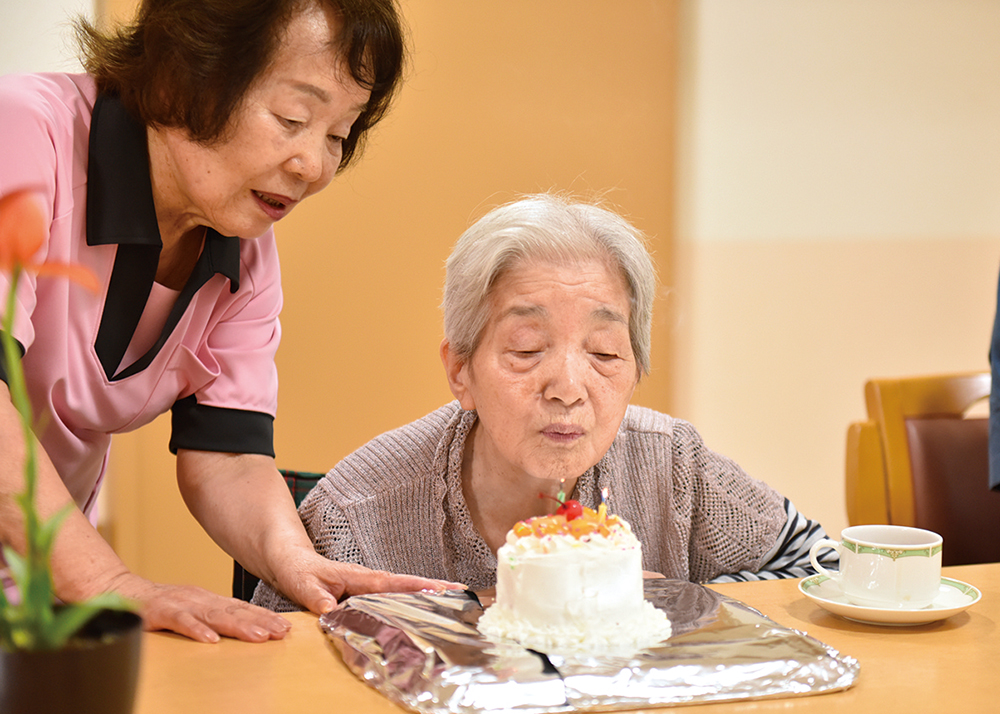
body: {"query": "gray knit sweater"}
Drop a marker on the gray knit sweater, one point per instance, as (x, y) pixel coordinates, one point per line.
(396, 504)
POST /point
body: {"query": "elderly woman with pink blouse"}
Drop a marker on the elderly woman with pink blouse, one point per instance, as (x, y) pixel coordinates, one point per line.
(547, 314)
(163, 169)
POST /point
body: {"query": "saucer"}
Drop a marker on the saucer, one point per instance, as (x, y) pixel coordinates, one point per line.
(953, 597)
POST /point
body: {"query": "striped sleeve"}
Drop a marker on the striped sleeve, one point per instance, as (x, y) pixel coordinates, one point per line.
(789, 558)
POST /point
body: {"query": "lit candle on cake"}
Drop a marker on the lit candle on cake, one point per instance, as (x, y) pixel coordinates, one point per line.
(602, 510)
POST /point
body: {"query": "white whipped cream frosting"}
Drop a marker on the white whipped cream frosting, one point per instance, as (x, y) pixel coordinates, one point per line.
(557, 592)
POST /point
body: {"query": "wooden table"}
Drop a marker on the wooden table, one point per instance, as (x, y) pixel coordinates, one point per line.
(943, 666)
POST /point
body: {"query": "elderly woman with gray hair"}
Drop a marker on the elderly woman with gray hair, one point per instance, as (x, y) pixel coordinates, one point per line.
(547, 313)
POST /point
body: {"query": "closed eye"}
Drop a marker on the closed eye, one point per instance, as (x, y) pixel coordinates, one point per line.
(525, 355)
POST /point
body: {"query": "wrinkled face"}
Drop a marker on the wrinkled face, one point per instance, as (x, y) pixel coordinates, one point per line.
(554, 370)
(285, 145)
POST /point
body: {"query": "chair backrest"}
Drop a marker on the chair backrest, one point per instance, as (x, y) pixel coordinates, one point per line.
(300, 483)
(920, 461)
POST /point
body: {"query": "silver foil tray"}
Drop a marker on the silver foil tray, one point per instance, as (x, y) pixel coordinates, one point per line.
(423, 651)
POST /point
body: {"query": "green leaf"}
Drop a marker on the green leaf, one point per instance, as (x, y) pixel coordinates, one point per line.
(45, 537)
(67, 622)
(36, 593)
(6, 641)
(17, 565)
(69, 619)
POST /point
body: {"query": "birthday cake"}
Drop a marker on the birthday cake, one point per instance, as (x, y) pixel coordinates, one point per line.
(573, 580)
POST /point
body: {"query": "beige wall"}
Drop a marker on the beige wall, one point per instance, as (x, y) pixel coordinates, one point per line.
(839, 218)
(501, 99)
(783, 333)
(34, 36)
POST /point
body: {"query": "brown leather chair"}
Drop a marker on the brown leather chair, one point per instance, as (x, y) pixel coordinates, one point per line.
(920, 461)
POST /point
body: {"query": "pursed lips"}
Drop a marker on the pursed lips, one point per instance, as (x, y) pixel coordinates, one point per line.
(563, 432)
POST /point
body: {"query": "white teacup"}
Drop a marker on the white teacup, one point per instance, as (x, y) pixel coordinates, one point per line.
(893, 567)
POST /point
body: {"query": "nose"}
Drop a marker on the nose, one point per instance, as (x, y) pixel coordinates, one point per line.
(313, 162)
(565, 379)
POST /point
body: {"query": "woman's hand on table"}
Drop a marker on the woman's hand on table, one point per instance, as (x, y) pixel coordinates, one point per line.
(318, 583)
(200, 614)
(244, 504)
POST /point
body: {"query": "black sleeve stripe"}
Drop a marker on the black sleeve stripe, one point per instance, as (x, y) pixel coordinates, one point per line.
(203, 428)
(787, 532)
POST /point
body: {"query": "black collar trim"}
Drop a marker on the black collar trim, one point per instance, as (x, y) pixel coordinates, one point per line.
(120, 212)
(120, 206)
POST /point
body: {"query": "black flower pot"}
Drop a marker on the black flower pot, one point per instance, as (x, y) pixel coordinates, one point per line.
(96, 673)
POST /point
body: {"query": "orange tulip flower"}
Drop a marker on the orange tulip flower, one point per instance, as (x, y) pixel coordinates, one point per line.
(22, 232)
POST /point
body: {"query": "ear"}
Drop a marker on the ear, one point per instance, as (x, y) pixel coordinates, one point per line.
(457, 372)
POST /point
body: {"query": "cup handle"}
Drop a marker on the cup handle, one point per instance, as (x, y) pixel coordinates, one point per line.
(824, 543)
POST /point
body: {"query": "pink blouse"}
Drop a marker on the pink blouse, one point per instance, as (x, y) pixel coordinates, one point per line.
(108, 363)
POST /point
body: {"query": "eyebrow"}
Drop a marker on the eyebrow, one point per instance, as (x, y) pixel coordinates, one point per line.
(525, 311)
(609, 315)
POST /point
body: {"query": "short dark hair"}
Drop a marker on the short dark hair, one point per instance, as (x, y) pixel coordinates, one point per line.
(190, 63)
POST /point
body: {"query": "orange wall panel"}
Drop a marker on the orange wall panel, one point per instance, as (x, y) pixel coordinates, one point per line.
(500, 99)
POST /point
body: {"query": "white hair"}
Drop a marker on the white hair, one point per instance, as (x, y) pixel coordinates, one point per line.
(545, 227)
